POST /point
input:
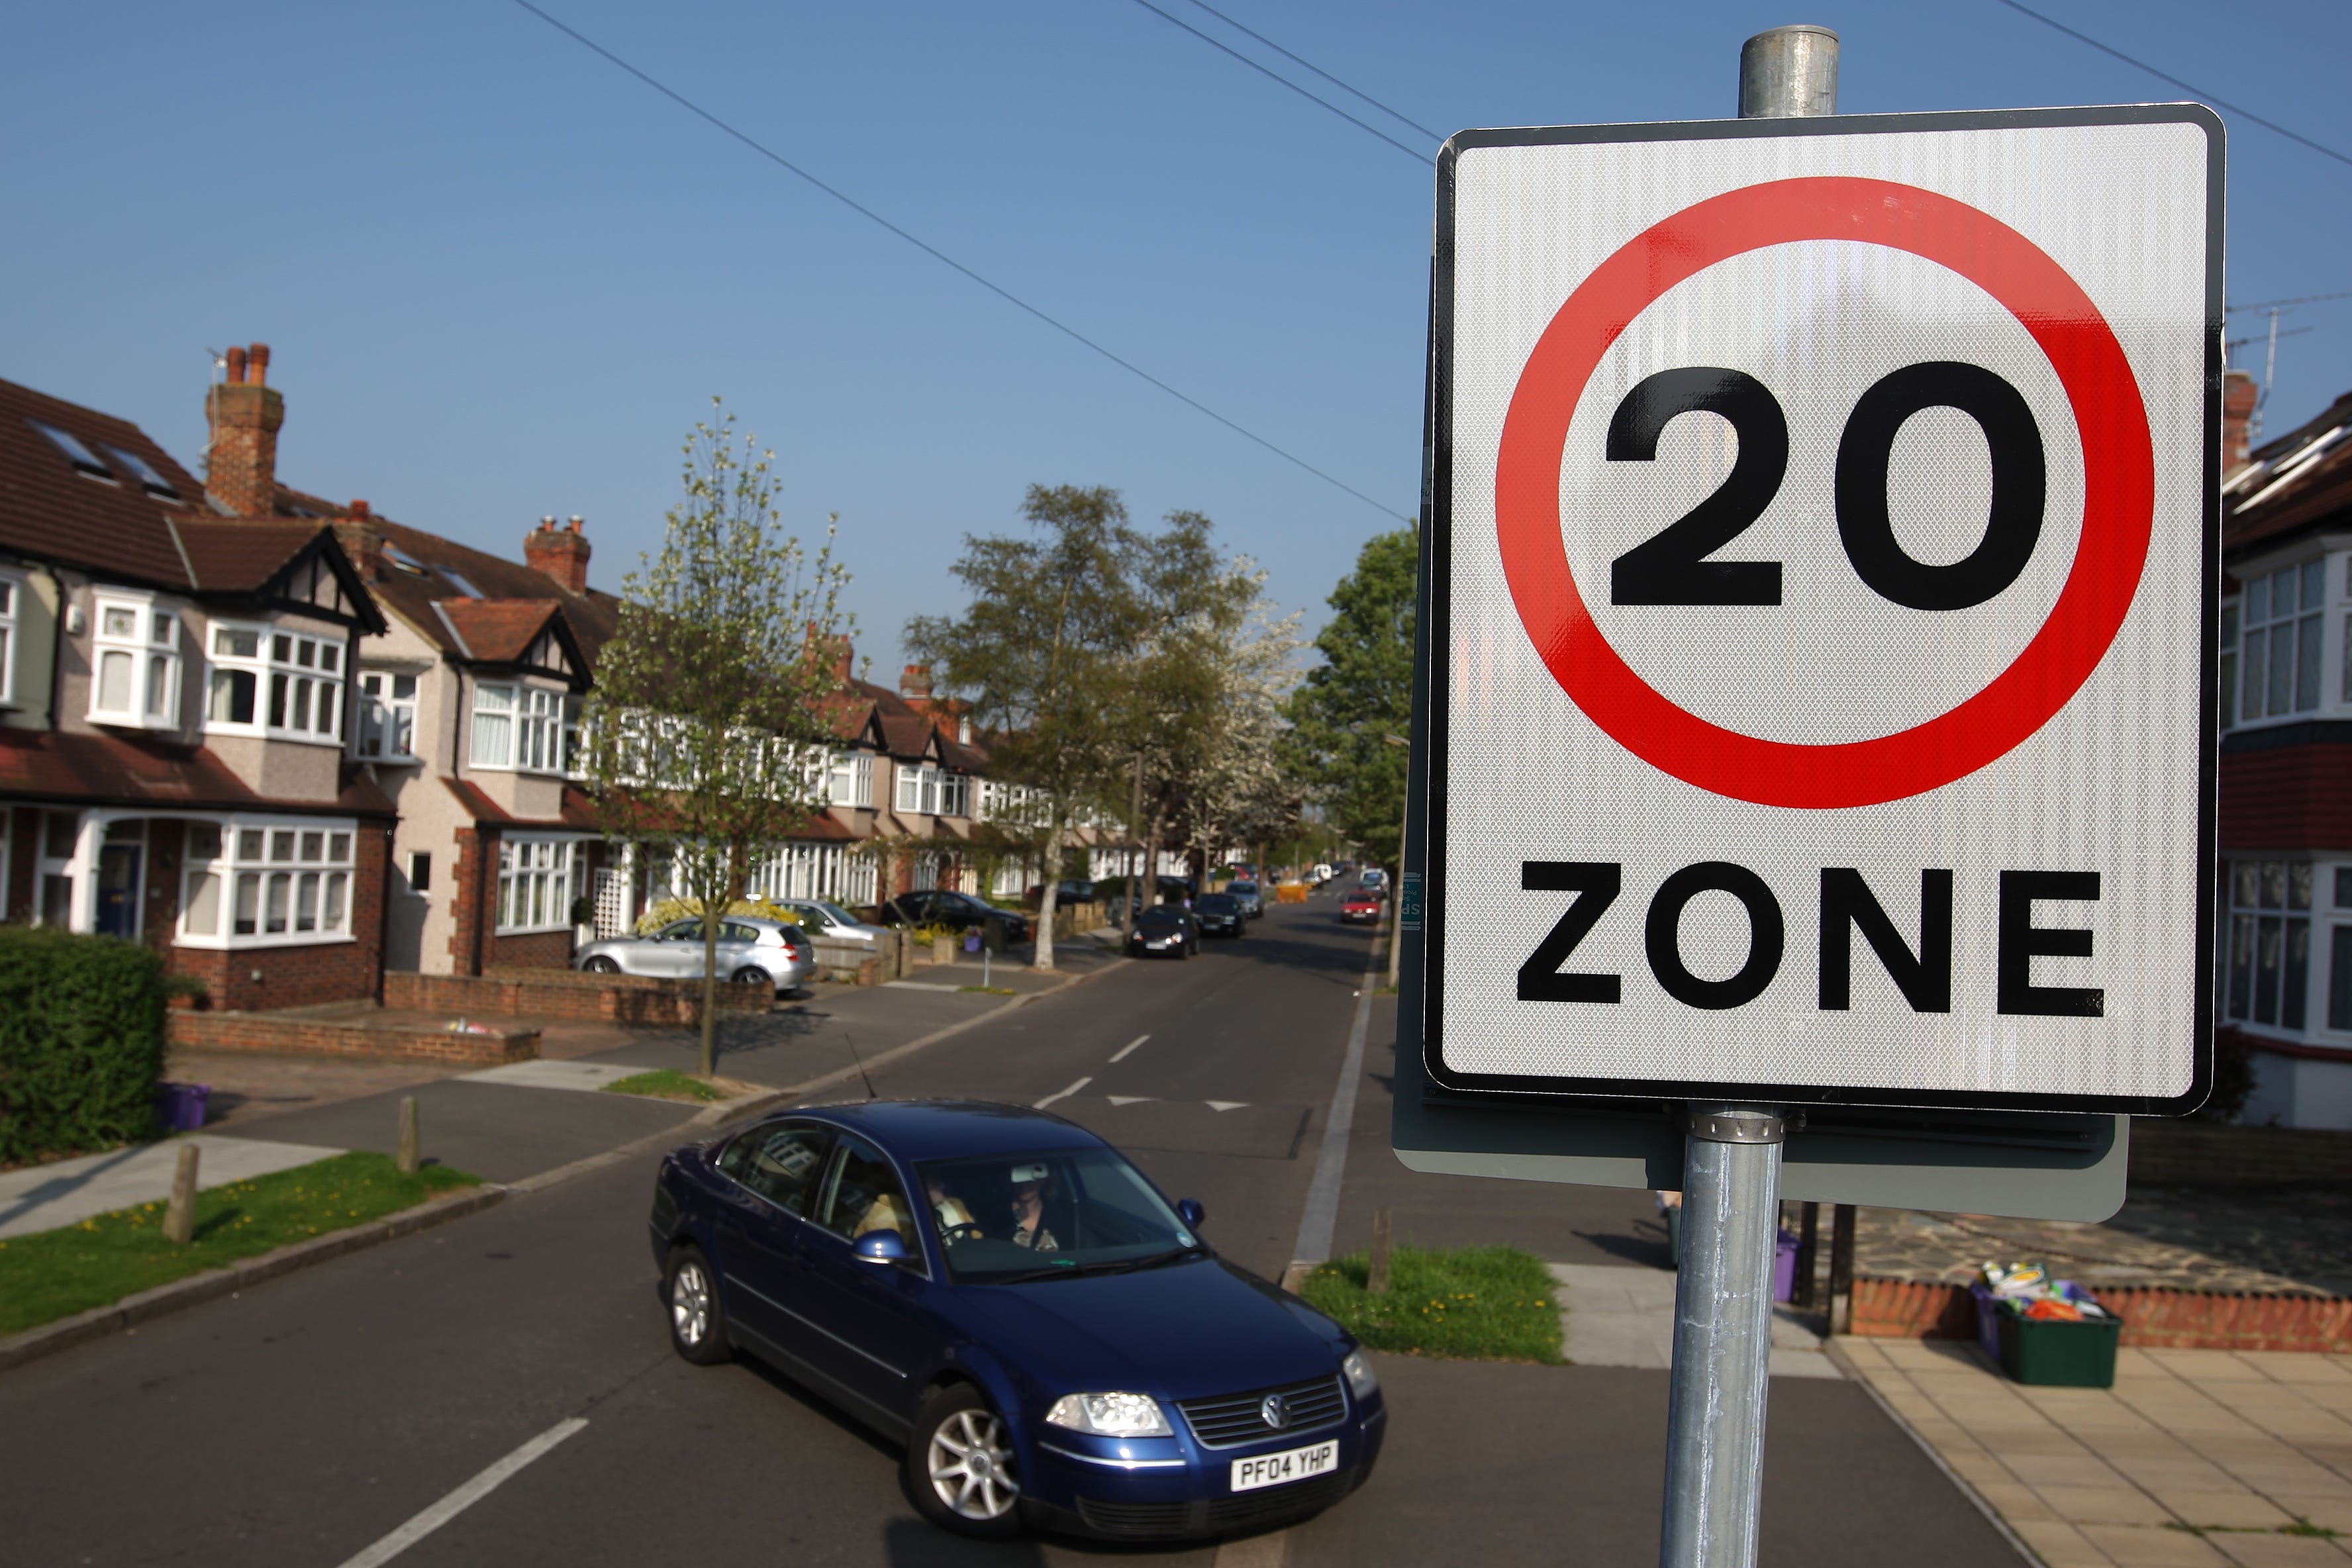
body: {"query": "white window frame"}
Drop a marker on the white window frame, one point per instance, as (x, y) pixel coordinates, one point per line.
(955, 793)
(530, 723)
(282, 685)
(381, 710)
(853, 779)
(539, 874)
(154, 652)
(919, 788)
(12, 620)
(296, 873)
(2307, 622)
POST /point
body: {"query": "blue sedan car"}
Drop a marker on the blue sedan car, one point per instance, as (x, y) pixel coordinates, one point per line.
(1010, 1297)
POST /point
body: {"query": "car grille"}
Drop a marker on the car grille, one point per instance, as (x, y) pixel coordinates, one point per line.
(1246, 1511)
(1235, 1419)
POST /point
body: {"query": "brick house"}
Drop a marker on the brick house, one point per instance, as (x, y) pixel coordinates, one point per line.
(175, 693)
(2285, 881)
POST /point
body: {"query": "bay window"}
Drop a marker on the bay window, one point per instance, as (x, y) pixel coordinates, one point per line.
(2267, 964)
(955, 794)
(519, 727)
(12, 596)
(261, 883)
(537, 879)
(853, 779)
(281, 684)
(387, 715)
(135, 665)
(2278, 624)
(919, 788)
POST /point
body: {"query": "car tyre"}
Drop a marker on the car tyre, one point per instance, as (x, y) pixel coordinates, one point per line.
(600, 964)
(960, 1469)
(753, 974)
(698, 1320)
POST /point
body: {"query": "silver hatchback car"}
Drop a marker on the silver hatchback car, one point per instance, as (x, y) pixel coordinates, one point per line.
(752, 951)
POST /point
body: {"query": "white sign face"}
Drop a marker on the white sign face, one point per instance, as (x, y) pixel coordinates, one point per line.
(1820, 623)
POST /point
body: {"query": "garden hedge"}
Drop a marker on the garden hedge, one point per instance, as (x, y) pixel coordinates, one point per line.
(82, 1042)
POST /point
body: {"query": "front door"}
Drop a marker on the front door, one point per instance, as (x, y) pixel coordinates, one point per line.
(868, 1319)
(118, 890)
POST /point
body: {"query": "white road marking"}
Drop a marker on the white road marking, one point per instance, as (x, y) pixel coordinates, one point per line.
(1317, 1225)
(1129, 1099)
(1064, 1094)
(1226, 1104)
(464, 1498)
(1120, 1053)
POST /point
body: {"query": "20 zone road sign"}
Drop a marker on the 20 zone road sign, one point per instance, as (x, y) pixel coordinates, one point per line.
(1822, 573)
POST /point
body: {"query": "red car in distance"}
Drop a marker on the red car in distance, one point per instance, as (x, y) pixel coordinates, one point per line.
(1363, 904)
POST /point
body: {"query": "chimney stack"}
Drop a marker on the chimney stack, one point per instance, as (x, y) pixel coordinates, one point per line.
(2238, 400)
(561, 554)
(915, 685)
(362, 540)
(241, 464)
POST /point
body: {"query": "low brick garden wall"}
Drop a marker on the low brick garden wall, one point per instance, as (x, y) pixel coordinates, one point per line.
(2154, 1317)
(2167, 1154)
(569, 994)
(345, 1035)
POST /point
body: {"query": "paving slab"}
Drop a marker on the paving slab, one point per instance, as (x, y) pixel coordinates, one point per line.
(67, 1192)
(1625, 1317)
(498, 1132)
(591, 1077)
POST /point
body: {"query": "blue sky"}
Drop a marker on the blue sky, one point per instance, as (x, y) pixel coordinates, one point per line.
(499, 279)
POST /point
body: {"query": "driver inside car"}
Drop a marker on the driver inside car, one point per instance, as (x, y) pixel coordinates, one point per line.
(1029, 1183)
(952, 1216)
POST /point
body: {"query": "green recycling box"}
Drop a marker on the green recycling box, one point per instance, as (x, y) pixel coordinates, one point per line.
(2052, 1352)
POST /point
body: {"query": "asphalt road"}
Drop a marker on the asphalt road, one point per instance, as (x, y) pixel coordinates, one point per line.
(306, 1421)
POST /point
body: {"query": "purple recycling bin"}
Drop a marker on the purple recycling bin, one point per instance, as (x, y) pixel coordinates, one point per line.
(181, 1106)
(1784, 1267)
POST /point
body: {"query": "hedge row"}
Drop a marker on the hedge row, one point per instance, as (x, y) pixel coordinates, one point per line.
(82, 1042)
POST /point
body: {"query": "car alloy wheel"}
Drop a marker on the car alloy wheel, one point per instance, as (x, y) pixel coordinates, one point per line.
(697, 1323)
(971, 1467)
(751, 975)
(600, 964)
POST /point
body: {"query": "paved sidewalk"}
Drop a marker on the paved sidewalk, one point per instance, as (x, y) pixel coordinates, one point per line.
(2194, 1457)
(67, 1192)
(1612, 1315)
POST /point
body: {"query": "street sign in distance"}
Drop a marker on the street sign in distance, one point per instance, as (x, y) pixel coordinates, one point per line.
(1821, 579)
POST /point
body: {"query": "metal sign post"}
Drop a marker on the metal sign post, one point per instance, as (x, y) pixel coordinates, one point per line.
(1731, 1161)
(1813, 721)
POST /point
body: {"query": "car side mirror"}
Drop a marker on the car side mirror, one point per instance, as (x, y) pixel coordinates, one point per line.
(881, 1246)
(1190, 1211)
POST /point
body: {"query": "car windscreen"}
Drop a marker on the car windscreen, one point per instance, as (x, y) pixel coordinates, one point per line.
(1242, 887)
(1163, 915)
(1218, 904)
(1069, 1211)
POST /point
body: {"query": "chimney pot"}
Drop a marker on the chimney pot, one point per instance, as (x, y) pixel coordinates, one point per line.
(237, 367)
(916, 682)
(576, 520)
(258, 357)
(358, 508)
(561, 555)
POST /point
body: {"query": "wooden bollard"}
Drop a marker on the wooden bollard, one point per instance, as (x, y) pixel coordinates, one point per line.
(1376, 1278)
(412, 1151)
(180, 1212)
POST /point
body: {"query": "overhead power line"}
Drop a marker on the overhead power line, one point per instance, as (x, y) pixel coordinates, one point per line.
(1319, 70)
(2184, 86)
(1414, 153)
(936, 254)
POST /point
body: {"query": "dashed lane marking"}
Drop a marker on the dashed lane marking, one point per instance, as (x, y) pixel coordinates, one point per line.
(1064, 1094)
(1226, 1104)
(464, 1498)
(1129, 1099)
(1122, 1054)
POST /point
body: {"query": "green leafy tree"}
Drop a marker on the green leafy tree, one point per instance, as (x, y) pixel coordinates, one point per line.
(712, 727)
(1361, 693)
(1041, 652)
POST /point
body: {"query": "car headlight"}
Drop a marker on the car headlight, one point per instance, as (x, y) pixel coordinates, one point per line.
(1359, 1371)
(1109, 1415)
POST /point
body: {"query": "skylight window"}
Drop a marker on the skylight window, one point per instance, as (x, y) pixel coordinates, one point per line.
(155, 483)
(464, 585)
(84, 460)
(404, 561)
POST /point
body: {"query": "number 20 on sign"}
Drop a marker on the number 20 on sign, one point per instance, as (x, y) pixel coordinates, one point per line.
(1823, 563)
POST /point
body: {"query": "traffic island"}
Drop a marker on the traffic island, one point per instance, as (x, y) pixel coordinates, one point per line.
(1471, 1303)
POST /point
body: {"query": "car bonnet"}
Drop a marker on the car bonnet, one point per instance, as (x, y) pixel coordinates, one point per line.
(1186, 1331)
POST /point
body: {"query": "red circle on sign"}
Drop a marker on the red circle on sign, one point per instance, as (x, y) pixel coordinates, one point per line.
(2118, 507)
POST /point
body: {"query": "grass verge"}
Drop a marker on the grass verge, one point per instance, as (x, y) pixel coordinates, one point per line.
(1473, 1303)
(50, 1274)
(989, 990)
(666, 1083)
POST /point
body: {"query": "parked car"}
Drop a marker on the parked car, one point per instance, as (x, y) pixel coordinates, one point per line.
(1221, 914)
(752, 950)
(959, 911)
(1362, 904)
(1374, 880)
(1006, 1294)
(1070, 891)
(830, 922)
(1247, 894)
(1168, 927)
(1322, 872)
